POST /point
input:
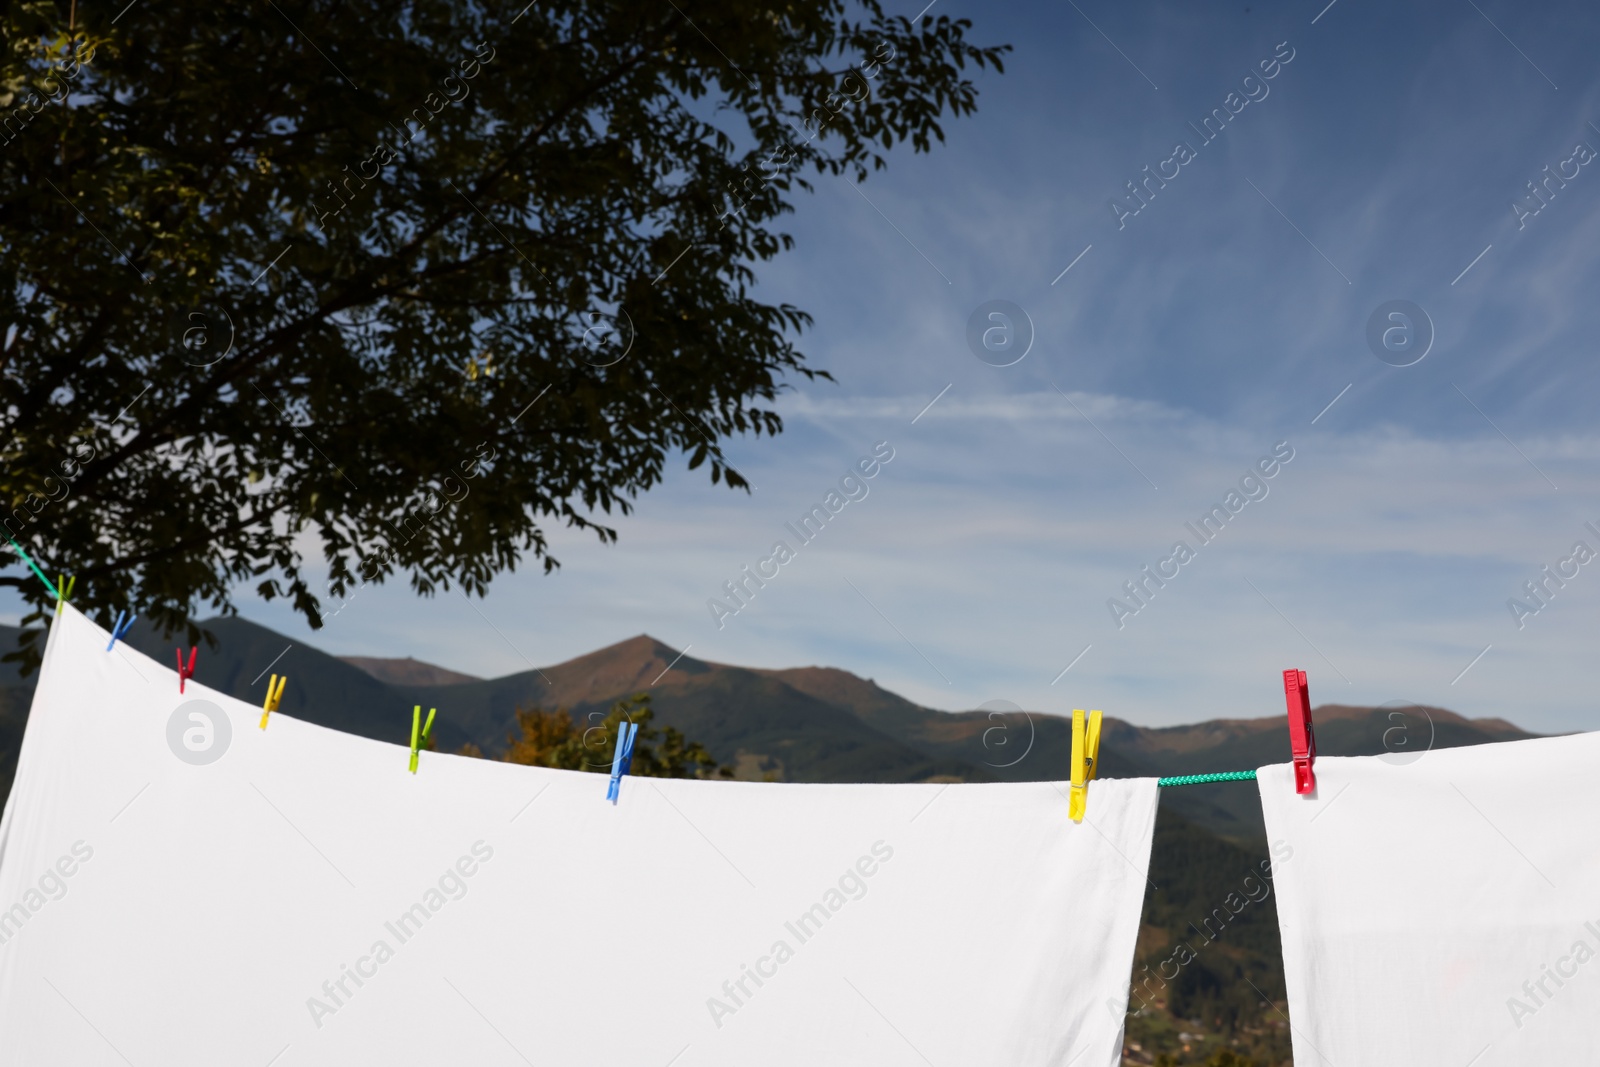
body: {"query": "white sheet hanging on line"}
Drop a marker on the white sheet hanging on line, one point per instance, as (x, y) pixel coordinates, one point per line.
(1444, 911)
(301, 899)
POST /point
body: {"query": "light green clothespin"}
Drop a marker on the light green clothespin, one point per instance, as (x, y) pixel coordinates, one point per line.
(418, 739)
(64, 586)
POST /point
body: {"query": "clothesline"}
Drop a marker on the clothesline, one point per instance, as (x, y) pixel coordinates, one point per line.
(1202, 779)
(48, 584)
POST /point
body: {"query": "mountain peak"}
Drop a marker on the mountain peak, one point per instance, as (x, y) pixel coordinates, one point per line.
(407, 671)
(628, 666)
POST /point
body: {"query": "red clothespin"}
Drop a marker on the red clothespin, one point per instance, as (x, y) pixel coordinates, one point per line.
(185, 673)
(1301, 739)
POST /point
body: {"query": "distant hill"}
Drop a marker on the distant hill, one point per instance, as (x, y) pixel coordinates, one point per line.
(804, 724)
(407, 671)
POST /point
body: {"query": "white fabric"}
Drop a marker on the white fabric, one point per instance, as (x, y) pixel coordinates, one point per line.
(207, 905)
(1421, 905)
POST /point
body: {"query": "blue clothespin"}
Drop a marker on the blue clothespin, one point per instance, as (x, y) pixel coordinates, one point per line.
(622, 760)
(119, 630)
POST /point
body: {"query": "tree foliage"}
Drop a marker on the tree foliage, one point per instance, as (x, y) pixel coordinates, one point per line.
(554, 739)
(385, 289)
(1222, 1057)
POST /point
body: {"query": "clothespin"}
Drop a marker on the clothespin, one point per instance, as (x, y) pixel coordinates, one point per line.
(1301, 739)
(419, 732)
(622, 760)
(63, 591)
(118, 630)
(185, 673)
(1085, 751)
(274, 694)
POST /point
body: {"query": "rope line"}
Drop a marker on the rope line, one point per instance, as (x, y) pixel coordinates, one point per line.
(48, 584)
(1202, 779)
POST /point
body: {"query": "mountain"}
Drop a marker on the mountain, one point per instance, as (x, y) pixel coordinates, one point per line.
(322, 689)
(407, 671)
(806, 724)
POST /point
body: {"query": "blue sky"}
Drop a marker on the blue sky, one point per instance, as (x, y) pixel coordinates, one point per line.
(1381, 164)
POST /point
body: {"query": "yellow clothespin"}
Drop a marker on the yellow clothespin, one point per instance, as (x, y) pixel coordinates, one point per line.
(1085, 751)
(274, 695)
(64, 590)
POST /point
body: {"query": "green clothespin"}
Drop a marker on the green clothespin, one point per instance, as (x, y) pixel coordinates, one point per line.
(64, 590)
(418, 739)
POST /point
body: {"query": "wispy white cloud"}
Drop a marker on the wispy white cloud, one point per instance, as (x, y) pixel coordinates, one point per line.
(1190, 342)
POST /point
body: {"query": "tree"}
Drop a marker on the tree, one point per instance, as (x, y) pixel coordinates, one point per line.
(1227, 1057)
(389, 287)
(554, 739)
(1222, 1057)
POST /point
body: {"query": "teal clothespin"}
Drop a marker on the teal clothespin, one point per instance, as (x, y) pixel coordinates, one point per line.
(419, 732)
